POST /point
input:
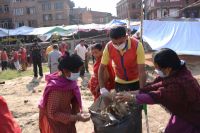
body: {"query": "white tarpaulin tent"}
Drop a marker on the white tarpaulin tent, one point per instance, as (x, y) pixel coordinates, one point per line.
(61, 30)
(24, 30)
(183, 37)
(3, 32)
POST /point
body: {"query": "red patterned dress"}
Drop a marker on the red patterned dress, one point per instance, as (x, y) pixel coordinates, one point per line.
(59, 105)
(93, 83)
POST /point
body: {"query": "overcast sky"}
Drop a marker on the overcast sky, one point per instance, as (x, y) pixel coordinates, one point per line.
(98, 5)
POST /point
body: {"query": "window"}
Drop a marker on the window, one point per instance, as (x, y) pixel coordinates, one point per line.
(30, 10)
(17, 0)
(18, 11)
(1, 9)
(47, 17)
(19, 24)
(133, 6)
(173, 12)
(4, 24)
(46, 6)
(32, 23)
(162, 1)
(58, 5)
(174, 0)
(59, 16)
(6, 8)
(101, 20)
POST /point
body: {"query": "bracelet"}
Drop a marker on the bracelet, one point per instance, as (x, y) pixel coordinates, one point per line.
(132, 98)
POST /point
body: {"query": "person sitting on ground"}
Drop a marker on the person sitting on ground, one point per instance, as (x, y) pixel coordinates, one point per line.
(97, 51)
(176, 89)
(61, 102)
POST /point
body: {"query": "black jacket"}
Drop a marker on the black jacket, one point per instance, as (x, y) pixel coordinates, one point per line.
(36, 52)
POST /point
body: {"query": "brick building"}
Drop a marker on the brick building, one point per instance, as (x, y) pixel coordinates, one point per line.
(53, 12)
(129, 9)
(87, 16)
(5, 16)
(96, 17)
(34, 13)
(76, 15)
(160, 9)
(43, 13)
(24, 12)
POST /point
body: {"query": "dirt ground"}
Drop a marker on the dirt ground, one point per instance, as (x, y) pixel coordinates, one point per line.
(23, 95)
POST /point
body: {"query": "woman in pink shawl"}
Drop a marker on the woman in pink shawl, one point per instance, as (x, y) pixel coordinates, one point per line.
(61, 101)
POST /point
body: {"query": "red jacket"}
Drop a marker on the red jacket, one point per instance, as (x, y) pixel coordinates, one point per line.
(15, 56)
(23, 55)
(4, 56)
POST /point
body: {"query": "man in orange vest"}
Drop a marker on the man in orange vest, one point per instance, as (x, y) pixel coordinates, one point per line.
(128, 57)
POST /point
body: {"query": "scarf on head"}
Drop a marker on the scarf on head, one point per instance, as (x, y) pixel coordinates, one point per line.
(179, 93)
(58, 83)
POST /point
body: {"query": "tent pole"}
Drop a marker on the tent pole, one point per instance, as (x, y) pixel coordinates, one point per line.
(141, 20)
(141, 40)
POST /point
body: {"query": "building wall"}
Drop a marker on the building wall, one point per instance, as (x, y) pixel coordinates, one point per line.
(76, 15)
(163, 9)
(134, 9)
(24, 13)
(101, 17)
(88, 16)
(122, 9)
(129, 8)
(5, 16)
(38, 13)
(193, 11)
(53, 12)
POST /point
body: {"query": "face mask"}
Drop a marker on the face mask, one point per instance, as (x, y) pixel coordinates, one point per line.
(120, 47)
(160, 73)
(74, 76)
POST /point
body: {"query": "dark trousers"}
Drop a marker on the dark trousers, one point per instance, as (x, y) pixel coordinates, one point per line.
(86, 65)
(4, 65)
(93, 59)
(82, 71)
(135, 109)
(39, 65)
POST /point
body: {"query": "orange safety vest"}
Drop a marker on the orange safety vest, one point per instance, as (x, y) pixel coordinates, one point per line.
(126, 66)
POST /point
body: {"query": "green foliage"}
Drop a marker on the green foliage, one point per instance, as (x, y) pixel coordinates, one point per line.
(8, 39)
(12, 74)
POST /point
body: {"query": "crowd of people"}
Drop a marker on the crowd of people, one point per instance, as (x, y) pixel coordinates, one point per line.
(119, 65)
(16, 59)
